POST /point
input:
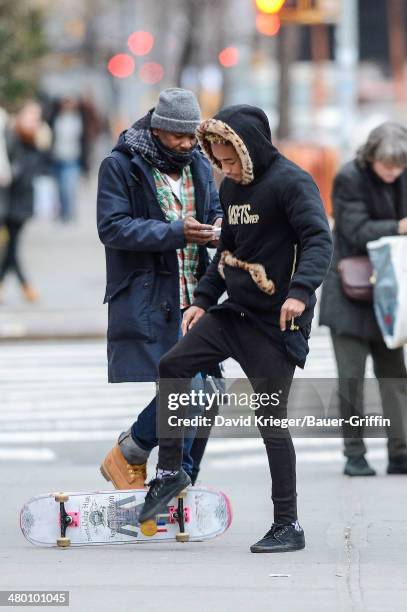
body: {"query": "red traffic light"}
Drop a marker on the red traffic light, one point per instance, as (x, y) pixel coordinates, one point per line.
(268, 25)
(140, 43)
(229, 57)
(121, 65)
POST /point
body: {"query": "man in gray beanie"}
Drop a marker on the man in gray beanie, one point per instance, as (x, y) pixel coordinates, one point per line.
(157, 207)
(177, 111)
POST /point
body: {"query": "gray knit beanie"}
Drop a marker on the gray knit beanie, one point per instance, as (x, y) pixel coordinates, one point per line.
(177, 110)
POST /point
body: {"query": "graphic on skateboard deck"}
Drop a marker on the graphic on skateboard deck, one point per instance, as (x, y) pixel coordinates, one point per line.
(111, 517)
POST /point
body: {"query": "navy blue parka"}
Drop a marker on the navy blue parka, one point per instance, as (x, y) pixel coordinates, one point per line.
(142, 276)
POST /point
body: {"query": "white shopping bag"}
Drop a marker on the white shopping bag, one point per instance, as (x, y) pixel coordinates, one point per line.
(389, 260)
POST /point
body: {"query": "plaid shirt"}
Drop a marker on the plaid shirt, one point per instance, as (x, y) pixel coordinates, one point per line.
(174, 209)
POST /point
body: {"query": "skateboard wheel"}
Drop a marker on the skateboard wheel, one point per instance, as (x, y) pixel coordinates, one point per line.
(182, 537)
(63, 542)
(148, 528)
(61, 497)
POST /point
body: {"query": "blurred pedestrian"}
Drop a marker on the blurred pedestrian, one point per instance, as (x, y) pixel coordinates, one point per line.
(28, 138)
(5, 178)
(5, 169)
(69, 152)
(95, 126)
(156, 203)
(275, 248)
(369, 202)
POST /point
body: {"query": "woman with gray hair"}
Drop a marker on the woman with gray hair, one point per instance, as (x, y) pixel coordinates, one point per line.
(369, 202)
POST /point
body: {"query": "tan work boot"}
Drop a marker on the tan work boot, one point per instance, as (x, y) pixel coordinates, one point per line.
(120, 473)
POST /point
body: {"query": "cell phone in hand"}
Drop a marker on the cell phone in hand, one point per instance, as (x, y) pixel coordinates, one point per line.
(216, 232)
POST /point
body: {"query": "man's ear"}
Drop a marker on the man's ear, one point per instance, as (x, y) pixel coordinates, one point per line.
(155, 132)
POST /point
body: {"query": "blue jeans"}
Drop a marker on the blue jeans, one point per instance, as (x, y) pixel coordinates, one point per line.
(67, 175)
(144, 432)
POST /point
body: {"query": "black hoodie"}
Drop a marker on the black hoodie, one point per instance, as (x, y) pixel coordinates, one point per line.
(274, 218)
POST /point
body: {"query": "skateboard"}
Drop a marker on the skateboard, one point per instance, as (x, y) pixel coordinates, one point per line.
(111, 517)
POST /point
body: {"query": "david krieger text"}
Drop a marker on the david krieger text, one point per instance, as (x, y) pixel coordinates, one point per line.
(252, 420)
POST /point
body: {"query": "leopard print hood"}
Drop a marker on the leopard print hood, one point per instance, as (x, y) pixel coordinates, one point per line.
(248, 130)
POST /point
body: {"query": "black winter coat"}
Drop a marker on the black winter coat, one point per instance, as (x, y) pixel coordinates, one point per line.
(365, 209)
(142, 289)
(26, 162)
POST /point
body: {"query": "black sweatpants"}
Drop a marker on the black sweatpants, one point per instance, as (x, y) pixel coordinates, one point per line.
(217, 336)
(11, 261)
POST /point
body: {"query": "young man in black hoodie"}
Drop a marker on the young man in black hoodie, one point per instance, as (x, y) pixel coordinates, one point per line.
(274, 252)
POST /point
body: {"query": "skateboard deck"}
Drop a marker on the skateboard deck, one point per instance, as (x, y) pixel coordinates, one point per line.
(111, 517)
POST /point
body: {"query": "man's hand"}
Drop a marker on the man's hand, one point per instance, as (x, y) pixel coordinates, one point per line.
(195, 232)
(403, 226)
(215, 243)
(191, 316)
(290, 309)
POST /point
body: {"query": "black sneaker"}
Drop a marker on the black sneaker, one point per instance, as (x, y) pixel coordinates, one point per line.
(280, 538)
(160, 492)
(397, 465)
(358, 466)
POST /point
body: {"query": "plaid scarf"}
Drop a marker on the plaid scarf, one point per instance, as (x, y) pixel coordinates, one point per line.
(140, 139)
(174, 209)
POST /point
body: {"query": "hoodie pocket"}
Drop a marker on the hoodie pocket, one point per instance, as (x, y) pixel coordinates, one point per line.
(243, 289)
(129, 307)
(296, 344)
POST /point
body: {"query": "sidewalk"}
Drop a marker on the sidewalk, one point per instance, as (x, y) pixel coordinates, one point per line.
(65, 263)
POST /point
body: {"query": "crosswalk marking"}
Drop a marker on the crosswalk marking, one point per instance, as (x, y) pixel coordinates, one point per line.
(27, 454)
(49, 416)
(55, 393)
(51, 393)
(247, 453)
(219, 447)
(57, 437)
(320, 456)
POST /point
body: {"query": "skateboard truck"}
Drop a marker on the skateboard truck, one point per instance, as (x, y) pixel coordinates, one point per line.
(177, 514)
(181, 515)
(173, 514)
(66, 519)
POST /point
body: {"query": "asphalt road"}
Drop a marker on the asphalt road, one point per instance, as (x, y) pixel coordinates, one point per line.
(355, 557)
(58, 417)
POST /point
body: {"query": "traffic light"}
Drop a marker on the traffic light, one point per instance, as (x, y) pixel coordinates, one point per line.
(267, 18)
(140, 43)
(229, 57)
(121, 65)
(270, 7)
